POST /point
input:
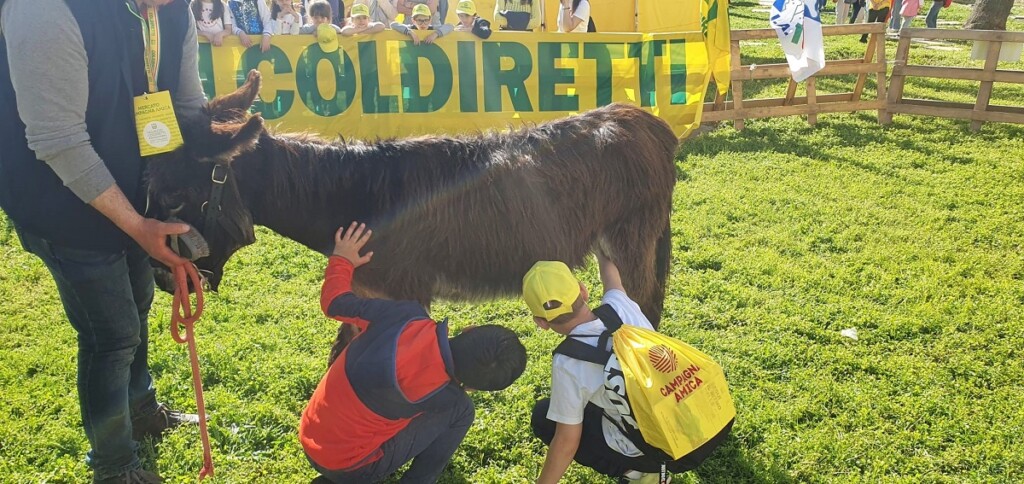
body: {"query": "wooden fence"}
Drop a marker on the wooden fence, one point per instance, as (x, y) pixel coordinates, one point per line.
(739, 108)
(981, 110)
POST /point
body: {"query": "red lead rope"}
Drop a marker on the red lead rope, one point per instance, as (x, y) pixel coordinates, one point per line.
(182, 315)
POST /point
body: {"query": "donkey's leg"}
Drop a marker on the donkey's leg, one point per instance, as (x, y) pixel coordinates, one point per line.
(641, 254)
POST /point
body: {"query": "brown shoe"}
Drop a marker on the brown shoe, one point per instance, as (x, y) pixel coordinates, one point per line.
(134, 476)
(163, 418)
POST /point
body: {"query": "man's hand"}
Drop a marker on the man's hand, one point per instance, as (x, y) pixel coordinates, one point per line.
(415, 38)
(431, 38)
(151, 234)
(348, 243)
(265, 44)
(245, 40)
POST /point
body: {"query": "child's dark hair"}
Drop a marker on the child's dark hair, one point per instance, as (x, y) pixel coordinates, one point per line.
(274, 10)
(488, 357)
(197, 9)
(320, 9)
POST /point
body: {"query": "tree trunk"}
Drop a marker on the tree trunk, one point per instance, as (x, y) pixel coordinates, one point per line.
(989, 15)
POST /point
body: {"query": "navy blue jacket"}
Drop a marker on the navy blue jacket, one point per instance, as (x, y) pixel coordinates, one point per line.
(30, 192)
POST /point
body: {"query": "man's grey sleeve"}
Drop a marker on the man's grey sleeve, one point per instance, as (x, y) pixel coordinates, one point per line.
(50, 73)
(190, 98)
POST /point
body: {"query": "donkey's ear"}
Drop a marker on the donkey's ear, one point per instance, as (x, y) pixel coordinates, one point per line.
(240, 138)
(234, 106)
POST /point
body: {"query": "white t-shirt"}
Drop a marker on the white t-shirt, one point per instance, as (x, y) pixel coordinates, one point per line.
(287, 24)
(205, 24)
(582, 12)
(576, 382)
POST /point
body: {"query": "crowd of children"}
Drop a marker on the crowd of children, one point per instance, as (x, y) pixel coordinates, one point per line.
(252, 19)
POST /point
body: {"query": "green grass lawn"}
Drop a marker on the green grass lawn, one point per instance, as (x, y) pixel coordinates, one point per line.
(783, 236)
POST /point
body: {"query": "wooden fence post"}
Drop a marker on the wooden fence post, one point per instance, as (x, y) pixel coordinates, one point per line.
(812, 101)
(880, 56)
(985, 93)
(737, 85)
(898, 74)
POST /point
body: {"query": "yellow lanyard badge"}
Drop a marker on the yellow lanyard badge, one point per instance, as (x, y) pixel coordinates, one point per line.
(155, 121)
(156, 124)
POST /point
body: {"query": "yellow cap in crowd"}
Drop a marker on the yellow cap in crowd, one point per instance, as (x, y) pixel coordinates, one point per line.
(327, 38)
(421, 9)
(467, 7)
(360, 10)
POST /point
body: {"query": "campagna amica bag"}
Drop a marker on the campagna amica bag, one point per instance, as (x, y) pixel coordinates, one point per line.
(673, 399)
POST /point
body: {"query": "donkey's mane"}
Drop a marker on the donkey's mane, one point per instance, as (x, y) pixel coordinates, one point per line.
(307, 167)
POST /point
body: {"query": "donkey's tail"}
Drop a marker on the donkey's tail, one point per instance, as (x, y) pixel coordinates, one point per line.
(663, 248)
(662, 262)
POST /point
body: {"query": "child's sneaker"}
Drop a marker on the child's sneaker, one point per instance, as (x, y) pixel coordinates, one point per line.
(637, 477)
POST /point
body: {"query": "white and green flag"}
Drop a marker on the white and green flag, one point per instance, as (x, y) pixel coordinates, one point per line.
(798, 23)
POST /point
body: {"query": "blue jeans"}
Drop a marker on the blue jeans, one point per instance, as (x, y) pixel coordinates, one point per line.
(429, 440)
(932, 19)
(106, 297)
(896, 22)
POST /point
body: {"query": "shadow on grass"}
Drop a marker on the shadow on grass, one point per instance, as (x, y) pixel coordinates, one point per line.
(729, 464)
(761, 137)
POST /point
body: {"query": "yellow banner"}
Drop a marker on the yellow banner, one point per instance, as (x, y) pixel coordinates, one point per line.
(382, 85)
(709, 16)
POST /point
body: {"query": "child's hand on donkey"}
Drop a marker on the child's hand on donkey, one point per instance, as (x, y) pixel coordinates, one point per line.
(348, 243)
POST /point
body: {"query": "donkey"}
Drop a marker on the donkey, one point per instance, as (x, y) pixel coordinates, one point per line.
(453, 217)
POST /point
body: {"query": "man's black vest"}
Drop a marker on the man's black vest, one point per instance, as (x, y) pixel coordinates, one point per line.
(371, 364)
(30, 192)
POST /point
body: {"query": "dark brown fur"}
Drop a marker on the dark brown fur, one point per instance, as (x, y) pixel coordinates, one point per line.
(460, 217)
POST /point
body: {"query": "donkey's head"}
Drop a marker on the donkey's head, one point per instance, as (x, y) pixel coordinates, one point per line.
(196, 182)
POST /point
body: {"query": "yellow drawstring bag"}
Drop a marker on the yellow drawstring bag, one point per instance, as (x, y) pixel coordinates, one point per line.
(678, 395)
(676, 398)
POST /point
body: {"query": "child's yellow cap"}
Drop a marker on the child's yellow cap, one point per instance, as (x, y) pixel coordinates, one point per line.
(549, 289)
(467, 7)
(421, 9)
(327, 38)
(360, 10)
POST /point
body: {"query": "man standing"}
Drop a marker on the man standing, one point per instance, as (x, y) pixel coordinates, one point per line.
(71, 183)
